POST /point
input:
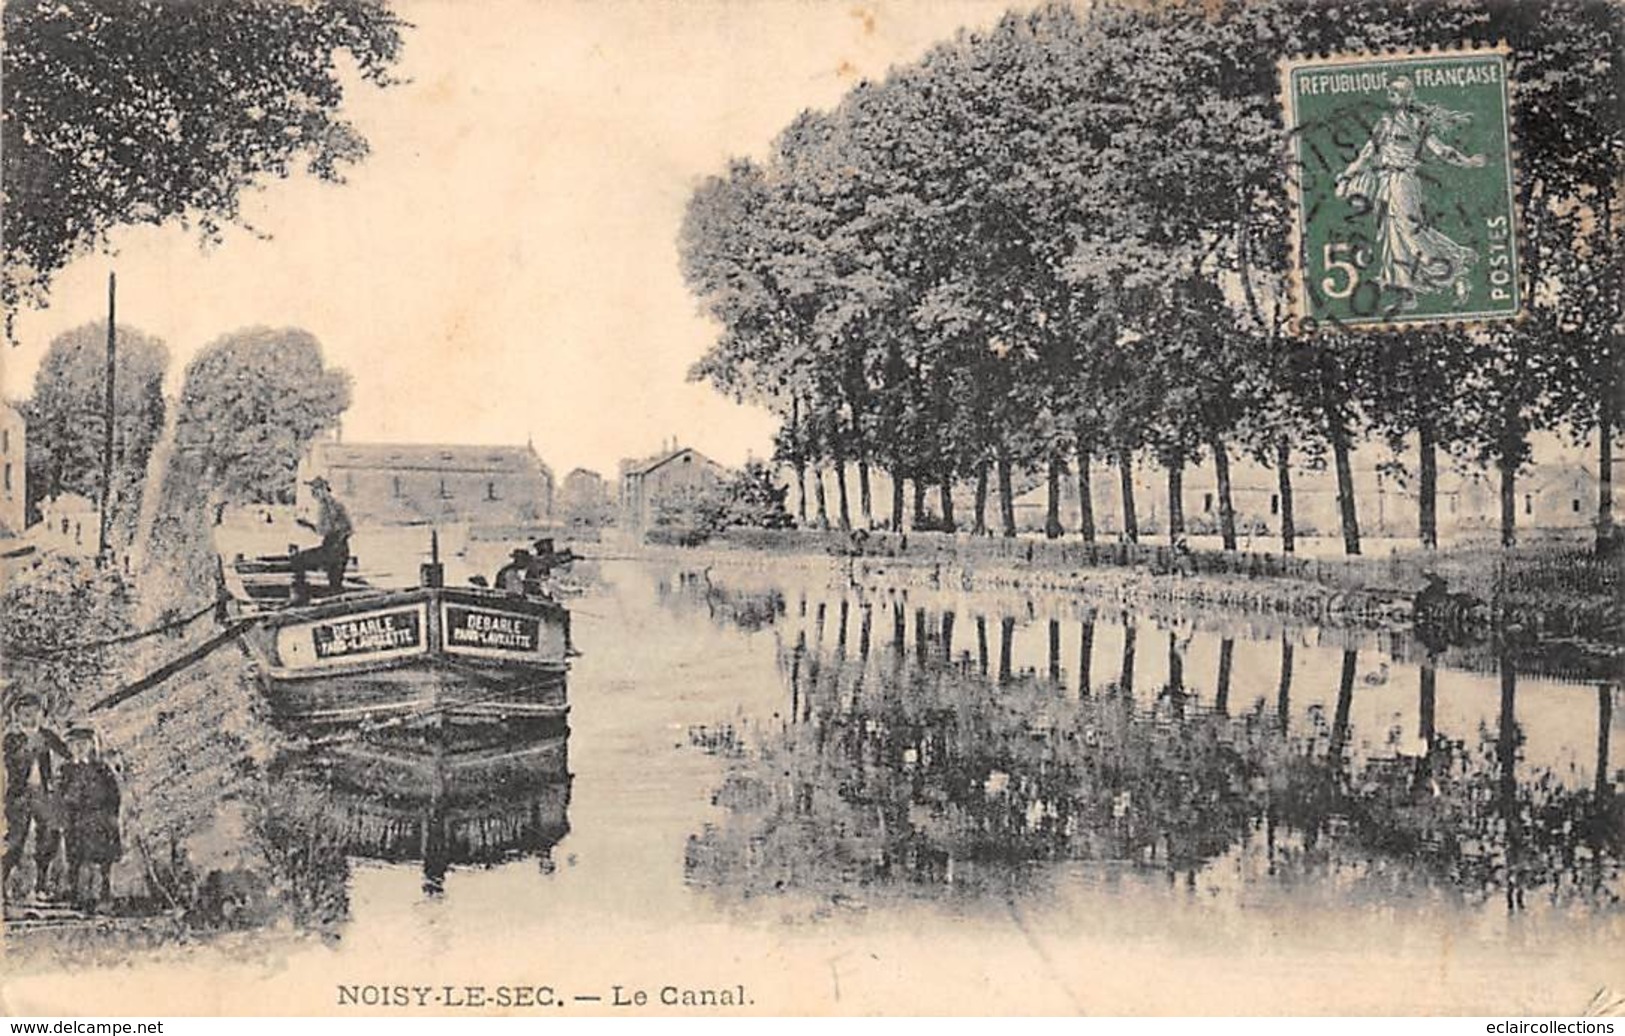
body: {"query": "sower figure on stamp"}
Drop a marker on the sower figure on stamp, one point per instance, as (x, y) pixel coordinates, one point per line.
(1415, 258)
(89, 797)
(29, 748)
(333, 525)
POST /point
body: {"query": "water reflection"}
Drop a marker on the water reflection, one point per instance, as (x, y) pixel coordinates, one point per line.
(916, 769)
(440, 797)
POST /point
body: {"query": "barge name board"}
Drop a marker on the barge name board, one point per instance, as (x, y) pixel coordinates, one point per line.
(367, 634)
(491, 630)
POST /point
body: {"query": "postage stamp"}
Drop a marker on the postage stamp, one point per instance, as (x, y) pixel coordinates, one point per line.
(1403, 184)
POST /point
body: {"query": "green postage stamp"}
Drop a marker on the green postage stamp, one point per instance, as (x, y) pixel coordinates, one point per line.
(1402, 171)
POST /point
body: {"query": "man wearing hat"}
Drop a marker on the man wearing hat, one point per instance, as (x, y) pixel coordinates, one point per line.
(510, 578)
(31, 749)
(333, 525)
(547, 559)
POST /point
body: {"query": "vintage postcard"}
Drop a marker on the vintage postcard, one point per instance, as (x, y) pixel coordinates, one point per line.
(549, 509)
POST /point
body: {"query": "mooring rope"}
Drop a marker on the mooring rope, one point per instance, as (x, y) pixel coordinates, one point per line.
(57, 651)
(173, 666)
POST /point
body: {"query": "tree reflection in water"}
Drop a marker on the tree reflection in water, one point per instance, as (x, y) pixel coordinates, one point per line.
(926, 773)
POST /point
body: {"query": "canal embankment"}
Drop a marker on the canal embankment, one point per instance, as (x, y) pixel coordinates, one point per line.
(1558, 596)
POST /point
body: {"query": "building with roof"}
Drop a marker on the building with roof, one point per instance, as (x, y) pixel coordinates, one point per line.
(646, 483)
(409, 483)
(1552, 496)
(14, 456)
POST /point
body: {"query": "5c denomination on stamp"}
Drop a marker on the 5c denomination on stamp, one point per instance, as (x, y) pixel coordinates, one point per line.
(1403, 183)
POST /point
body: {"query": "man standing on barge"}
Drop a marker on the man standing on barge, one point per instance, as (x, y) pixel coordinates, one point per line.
(333, 525)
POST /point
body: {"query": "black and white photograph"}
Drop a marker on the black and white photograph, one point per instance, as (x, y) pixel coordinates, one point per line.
(692, 509)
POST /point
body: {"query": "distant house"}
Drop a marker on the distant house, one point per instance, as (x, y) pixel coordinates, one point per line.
(1105, 498)
(69, 524)
(398, 483)
(584, 500)
(14, 455)
(1558, 496)
(646, 483)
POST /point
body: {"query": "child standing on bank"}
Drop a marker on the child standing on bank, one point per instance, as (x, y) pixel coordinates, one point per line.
(90, 804)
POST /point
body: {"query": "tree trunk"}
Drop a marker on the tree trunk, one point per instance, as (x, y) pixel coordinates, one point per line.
(1283, 688)
(1007, 636)
(1176, 664)
(823, 502)
(866, 500)
(981, 644)
(840, 491)
(1086, 501)
(896, 499)
(1605, 721)
(1176, 500)
(980, 528)
(919, 503)
(1283, 477)
(1509, 498)
(1227, 503)
(1347, 512)
(945, 494)
(1052, 516)
(1007, 498)
(800, 461)
(1506, 751)
(801, 493)
(1131, 527)
(1345, 701)
(1221, 699)
(1427, 504)
(1086, 654)
(1125, 679)
(1605, 474)
(1427, 704)
(1055, 651)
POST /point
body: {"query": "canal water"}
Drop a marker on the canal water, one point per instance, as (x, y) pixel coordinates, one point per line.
(846, 796)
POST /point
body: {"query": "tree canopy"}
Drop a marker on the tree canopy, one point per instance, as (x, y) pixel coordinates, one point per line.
(252, 401)
(1066, 238)
(152, 111)
(67, 415)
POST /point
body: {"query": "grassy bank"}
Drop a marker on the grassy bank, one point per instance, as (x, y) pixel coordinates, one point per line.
(1540, 592)
(205, 838)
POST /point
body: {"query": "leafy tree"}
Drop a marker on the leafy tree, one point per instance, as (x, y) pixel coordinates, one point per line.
(755, 500)
(584, 501)
(66, 415)
(152, 111)
(701, 509)
(252, 402)
(1067, 238)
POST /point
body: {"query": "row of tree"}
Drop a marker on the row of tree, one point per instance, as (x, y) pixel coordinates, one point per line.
(1065, 241)
(250, 404)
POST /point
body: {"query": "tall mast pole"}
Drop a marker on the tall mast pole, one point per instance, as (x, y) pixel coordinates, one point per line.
(104, 546)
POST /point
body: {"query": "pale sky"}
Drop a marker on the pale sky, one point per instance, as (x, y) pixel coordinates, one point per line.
(504, 264)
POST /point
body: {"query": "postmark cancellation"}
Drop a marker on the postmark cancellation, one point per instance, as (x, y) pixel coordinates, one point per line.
(1402, 175)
